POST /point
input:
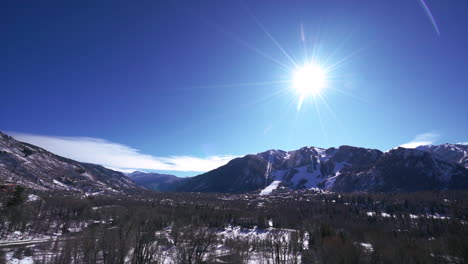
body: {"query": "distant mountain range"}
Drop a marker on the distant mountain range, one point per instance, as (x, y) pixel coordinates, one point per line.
(33, 167)
(343, 169)
(154, 181)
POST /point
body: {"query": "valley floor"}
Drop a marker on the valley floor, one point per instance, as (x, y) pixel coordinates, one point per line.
(289, 227)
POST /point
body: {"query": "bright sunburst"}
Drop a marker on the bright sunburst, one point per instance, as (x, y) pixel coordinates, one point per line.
(308, 80)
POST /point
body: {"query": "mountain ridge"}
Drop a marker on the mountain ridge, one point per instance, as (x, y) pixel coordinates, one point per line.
(346, 168)
(342, 169)
(154, 181)
(34, 167)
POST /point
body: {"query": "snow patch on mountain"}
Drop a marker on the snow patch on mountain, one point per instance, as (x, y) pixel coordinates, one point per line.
(270, 188)
(303, 174)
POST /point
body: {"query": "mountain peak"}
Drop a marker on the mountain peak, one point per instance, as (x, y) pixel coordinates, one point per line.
(346, 168)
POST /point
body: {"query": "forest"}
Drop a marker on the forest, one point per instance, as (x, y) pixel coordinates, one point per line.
(291, 227)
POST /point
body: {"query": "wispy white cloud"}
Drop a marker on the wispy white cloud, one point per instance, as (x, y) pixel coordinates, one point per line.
(462, 143)
(118, 156)
(267, 129)
(422, 139)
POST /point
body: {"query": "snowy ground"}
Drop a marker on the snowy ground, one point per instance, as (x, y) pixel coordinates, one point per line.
(25, 250)
(12, 260)
(270, 188)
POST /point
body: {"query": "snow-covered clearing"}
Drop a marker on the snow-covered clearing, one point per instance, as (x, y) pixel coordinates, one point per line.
(270, 188)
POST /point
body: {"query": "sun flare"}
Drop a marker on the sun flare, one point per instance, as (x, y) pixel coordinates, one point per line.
(309, 79)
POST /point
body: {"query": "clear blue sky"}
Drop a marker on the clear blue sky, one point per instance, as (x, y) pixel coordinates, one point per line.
(172, 77)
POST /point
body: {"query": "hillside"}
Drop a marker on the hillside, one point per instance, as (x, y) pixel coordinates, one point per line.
(346, 168)
(36, 168)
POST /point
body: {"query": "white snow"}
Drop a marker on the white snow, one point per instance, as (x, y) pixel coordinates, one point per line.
(16, 241)
(11, 260)
(367, 247)
(385, 215)
(270, 188)
(254, 233)
(305, 244)
(87, 175)
(32, 198)
(268, 170)
(270, 223)
(61, 184)
(74, 229)
(311, 177)
(339, 166)
(331, 181)
(320, 151)
(437, 216)
(370, 213)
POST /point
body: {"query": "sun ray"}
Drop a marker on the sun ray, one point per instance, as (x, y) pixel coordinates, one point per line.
(303, 40)
(299, 104)
(430, 16)
(244, 84)
(316, 42)
(350, 95)
(346, 58)
(341, 45)
(343, 60)
(278, 45)
(258, 51)
(330, 110)
(317, 110)
(317, 74)
(244, 43)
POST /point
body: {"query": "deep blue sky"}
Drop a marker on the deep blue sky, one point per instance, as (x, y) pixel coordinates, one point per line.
(161, 76)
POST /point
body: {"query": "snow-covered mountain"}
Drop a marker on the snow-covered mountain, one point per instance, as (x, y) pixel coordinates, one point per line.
(34, 167)
(453, 153)
(154, 181)
(345, 168)
(303, 168)
(404, 170)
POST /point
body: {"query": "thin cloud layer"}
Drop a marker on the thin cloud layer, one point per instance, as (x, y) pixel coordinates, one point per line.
(118, 156)
(422, 139)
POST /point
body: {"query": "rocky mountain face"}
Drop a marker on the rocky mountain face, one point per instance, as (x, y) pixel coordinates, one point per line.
(303, 168)
(404, 170)
(34, 167)
(345, 169)
(239, 175)
(154, 181)
(452, 153)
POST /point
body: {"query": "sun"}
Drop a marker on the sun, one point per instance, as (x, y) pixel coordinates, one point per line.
(309, 80)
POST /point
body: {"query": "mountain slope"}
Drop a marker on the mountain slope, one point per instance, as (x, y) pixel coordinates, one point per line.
(452, 153)
(34, 167)
(404, 170)
(345, 168)
(303, 168)
(239, 175)
(154, 181)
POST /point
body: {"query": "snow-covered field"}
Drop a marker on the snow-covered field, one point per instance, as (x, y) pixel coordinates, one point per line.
(25, 249)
